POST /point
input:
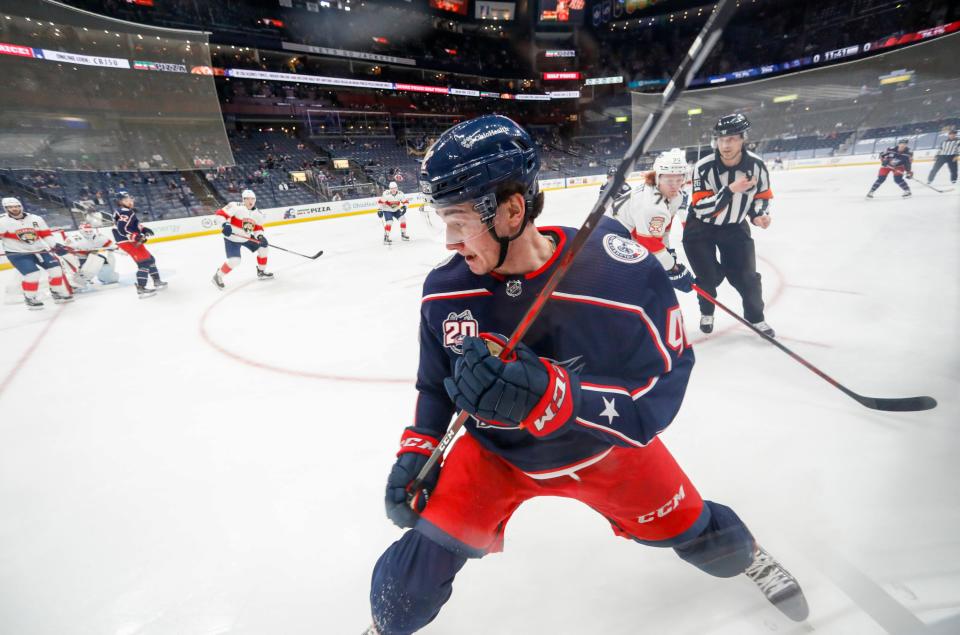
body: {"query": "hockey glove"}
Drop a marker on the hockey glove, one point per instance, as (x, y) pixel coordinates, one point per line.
(262, 241)
(909, 174)
(60, 250)
(415, 449)
(525, 391)
(140, 238)
(680, 278)
(227, 229)
(380, 214)
(147, 231)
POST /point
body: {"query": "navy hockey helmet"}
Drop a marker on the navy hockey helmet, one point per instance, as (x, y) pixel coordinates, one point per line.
(119, 195)
(612, 170)
(903, 141)
(474, 157)
(472, 160)
(730, 125)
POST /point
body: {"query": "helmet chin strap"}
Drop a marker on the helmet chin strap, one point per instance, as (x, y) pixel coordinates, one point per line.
(504, 242)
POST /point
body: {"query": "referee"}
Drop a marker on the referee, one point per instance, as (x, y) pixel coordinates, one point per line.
(729, 185)
(947, 154)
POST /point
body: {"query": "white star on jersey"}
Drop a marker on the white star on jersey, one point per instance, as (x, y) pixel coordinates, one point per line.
(609, 411)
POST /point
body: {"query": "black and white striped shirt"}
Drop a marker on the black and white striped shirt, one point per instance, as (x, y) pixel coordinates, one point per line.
(714, 203)
(949, 147)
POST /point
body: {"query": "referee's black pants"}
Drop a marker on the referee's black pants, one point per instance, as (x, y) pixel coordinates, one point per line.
(737, 263)
(939, 162)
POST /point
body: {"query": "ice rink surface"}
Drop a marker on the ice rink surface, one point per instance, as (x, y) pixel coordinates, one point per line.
(209, 462)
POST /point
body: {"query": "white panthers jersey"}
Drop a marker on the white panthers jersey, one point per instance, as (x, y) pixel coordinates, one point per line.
(246, 223)
(26, 235)
(390, 202)
(80, 243)
(649, 217)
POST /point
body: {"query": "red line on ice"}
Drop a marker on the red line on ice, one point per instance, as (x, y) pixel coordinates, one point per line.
(27, 353)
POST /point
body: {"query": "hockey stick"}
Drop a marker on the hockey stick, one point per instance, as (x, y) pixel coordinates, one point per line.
(699, 50)
(925, 184)
(897, 404)
(289, 251)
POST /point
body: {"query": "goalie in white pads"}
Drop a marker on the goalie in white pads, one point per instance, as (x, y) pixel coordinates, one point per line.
(243, 227)
(31, 247)
(393, 206)
(91, 255)
(651, 210)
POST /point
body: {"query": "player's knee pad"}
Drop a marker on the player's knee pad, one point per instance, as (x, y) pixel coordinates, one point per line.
(411, 581)
(146, 263)
(234, 262)
(724, 548)
(263, 252)
(899, 180)
(33, 276)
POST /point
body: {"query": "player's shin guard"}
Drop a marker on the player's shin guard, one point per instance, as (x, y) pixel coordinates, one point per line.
(31, 285)
(411, 581)
(724, 548)
(143, 273)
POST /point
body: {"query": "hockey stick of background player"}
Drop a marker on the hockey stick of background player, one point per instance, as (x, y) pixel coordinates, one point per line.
(707, 38)
(289, 251)
(901, 404)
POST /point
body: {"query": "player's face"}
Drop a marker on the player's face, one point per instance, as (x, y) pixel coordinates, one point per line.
(730, 145)
(470, 237)
(127, 201)
(15, 210)
(249, 203)
(670, 184)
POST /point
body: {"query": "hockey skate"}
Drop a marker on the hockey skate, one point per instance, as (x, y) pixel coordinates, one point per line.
(404, 237)
(159, 285)
(61, 298)
(778, 586)
(33, 304)
(706, 323)
(907, 194)
(143, 292)
(870, 194)
(218, 280)
(264, 275)
(764, 328)
(386, 240)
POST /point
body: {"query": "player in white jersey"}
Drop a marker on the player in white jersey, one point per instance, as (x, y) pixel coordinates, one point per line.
(91, 255)
(393, 206)
(243, 227)
(651, 209)
(30, 246)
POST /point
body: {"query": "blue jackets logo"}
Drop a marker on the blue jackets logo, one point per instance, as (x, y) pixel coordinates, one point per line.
(623, 249)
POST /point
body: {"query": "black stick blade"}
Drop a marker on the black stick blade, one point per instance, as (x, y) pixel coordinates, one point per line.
(319, 253)
(905, 404)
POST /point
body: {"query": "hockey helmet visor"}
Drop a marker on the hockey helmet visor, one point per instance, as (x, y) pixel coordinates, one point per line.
(466, 220)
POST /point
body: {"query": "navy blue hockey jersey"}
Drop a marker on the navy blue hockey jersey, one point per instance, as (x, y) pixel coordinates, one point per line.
(893, 158)
(126, 225)
(614, 320)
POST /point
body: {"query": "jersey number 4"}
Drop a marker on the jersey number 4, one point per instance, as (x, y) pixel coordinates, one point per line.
(676, 333)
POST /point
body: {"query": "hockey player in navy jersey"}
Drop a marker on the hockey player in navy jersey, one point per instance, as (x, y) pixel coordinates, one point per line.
(897, 159)
(574, 412)
(131, 236)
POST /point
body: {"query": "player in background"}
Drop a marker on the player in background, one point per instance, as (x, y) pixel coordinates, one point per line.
(622, 196)
(30, 246)
(897, 159)
(730, 185)
(91, 257)
(131, 235)
(243, 227)
(946, 155)
(583, 428)
(393, 206)
(651, 210)
(777, 164)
